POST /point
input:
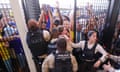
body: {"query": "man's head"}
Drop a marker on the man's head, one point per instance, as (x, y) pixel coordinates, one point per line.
(61, 44)
(79, 27)
(32, 24)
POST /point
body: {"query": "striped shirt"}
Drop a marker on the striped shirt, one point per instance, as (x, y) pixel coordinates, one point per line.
(4, 51)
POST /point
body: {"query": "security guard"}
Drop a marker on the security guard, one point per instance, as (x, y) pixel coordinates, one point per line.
(37, 40)
(51, 63)
(89, 49)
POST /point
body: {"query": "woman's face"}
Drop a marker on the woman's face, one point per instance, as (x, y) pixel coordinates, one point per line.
(93, 37)
(90, 26)
(79, 27)
(92, 21)
(65, 31)
(66, 24)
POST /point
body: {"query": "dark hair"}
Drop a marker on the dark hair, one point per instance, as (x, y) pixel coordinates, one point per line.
(67, 30)
(96, 18)
(32, 24)
(54, 33)
(60, 29)
(57, 22)
(61, 44)
(90, 33)
(67, 18)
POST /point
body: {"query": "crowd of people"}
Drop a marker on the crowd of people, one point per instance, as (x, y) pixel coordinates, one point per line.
(51, 43)
(12, 56)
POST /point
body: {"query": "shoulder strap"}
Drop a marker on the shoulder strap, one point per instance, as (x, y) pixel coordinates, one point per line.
(94, 47)
(85, 46)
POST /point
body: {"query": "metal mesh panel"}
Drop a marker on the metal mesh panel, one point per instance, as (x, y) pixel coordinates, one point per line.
(92, 12)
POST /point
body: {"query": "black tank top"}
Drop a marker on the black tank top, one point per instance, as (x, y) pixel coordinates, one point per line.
(89, 54)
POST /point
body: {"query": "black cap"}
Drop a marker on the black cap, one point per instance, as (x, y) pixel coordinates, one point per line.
(57, 22)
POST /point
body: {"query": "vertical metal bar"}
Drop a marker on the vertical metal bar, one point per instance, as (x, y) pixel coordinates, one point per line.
(25, 9)
(22, 28)
(110, 24)
(75, 4)
(107, 19)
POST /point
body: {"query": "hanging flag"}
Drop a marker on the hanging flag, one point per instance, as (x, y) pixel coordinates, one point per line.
(48, 19)
(48, 23)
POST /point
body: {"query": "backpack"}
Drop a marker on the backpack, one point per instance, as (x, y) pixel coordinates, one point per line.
(62, 62)
(36, 42)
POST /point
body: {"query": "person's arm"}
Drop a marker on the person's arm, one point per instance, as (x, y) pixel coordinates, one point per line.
(72, 22)
(59, 14)
(103, 52)
(41, 18)
(108, 68)
(3, 39)
(103, 58)
(74, 63)
(75, 45)
(48, 63)
(78, 45)
(111, 70)
(51, 19)
(45, 66)
(115, 58)
(46, 35)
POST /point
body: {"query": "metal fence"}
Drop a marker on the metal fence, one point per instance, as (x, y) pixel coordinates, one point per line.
(12, 58)
(92, 10)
